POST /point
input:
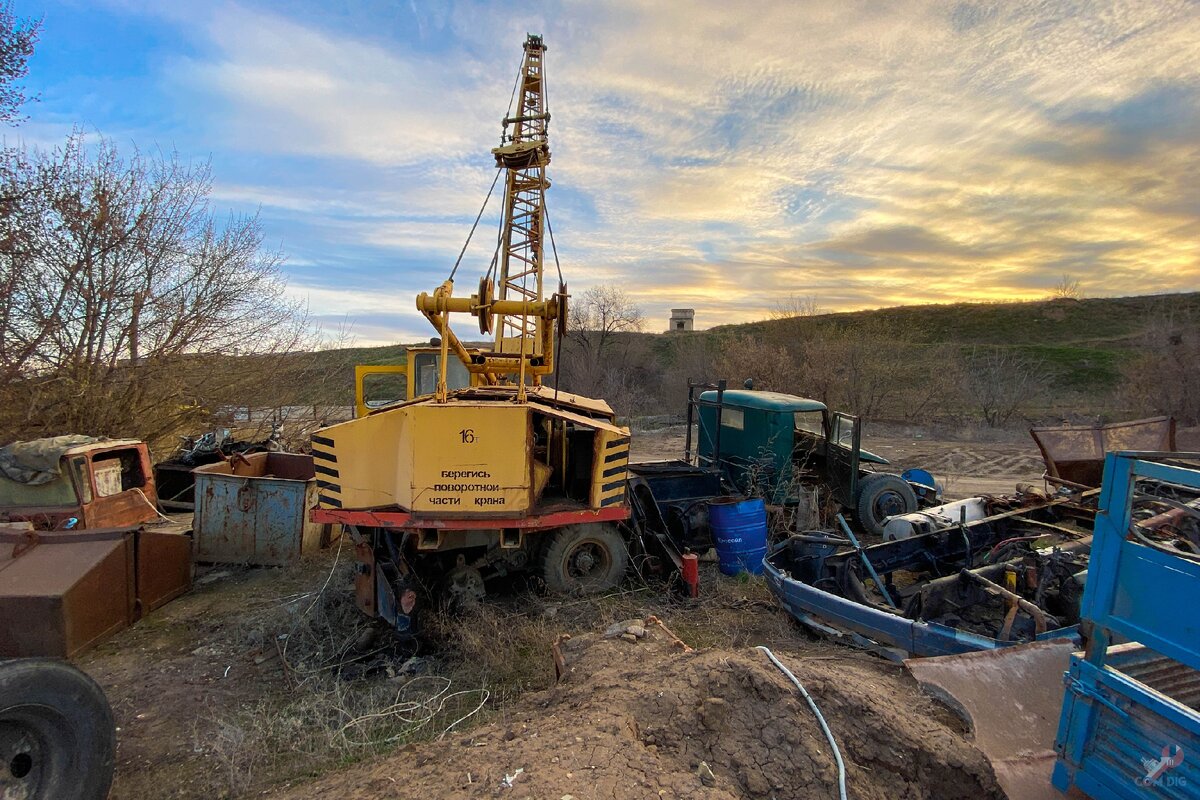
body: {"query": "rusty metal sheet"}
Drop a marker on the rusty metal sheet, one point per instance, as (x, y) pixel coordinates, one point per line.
(164, 568)
(62, 592)
(364, 578)
(1011, 698)
(1075, 453)
(254, 510)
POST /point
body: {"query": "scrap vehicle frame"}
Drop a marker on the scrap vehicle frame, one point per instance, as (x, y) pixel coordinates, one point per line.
(669, 498)
(128, 495)
(890, 618)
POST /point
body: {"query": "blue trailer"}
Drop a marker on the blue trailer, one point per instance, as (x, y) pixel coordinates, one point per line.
(1130, 722)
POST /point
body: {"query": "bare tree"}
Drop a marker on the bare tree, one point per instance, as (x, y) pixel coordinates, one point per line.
(856, 365)
(796, 305)
(1067, 288)
(598, 358)
(771, 367)
(687, 358)
(17, 38)
(1163, 377)
(1001, 382)
(598, 315)
(122, 301)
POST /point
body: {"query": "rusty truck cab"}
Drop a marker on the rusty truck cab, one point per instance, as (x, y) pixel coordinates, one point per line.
(107, 484)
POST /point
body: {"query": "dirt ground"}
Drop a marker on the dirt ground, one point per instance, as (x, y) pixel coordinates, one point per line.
(255, 683)
(639, 714)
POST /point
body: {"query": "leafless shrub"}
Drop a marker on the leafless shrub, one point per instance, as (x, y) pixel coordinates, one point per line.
(1001, 381)
(770, 366)
(930, 383)
(796, 305)
(688, 358)
(859, 366)
(1163, 377)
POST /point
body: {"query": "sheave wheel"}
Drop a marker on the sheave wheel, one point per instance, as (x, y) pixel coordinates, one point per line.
(57, 737)
(585, 559)
(883, 495)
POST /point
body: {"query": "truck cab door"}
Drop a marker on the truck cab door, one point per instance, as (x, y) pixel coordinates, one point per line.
(843, 446)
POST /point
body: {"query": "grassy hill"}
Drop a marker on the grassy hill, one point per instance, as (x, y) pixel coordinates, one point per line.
(1082, 343)
(1102, 321)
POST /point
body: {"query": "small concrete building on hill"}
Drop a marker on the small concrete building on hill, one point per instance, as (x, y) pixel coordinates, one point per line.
(681, 320)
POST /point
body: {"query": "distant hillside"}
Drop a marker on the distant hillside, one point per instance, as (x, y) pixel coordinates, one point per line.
(1082, 342)
(1092, 321)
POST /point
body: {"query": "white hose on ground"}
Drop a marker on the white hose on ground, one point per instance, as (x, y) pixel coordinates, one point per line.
(837, 754)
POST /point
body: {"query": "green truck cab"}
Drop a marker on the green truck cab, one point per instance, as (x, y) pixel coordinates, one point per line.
(778, 444)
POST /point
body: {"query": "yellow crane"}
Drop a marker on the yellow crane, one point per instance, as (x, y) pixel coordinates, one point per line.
(443, 491)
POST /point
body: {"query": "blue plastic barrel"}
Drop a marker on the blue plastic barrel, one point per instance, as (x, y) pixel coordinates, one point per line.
(739, 529)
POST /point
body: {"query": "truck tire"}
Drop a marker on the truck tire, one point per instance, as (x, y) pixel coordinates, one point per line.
(57, 737)
(883, 495)
(585, 559)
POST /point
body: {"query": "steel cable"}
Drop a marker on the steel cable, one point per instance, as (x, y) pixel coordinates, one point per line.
(478, 217)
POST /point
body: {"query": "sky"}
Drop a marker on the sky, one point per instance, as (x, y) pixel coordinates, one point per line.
(714, 155)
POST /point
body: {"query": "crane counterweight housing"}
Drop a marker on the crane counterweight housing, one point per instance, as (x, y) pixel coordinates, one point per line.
(444, 491)
(477, 454)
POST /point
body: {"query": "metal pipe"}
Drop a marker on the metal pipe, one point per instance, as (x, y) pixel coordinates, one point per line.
(687, 442)
(543, 309)
(720, 409)
(858, 548)
(1039, 616)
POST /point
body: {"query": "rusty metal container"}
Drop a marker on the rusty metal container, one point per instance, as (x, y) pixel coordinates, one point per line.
(164, 568)
(254, 510)
(1074, 454)
(61, 593)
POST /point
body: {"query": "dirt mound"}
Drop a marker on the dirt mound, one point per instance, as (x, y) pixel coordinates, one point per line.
(637, 714)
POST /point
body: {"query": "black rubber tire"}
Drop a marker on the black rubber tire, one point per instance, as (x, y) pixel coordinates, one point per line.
(881, 495)
(57, 736)
(565, 570)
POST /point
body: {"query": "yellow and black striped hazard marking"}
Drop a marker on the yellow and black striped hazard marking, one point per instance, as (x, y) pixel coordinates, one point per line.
(614, 471)
(329, 486)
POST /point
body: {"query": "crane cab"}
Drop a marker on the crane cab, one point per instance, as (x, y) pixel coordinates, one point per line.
(377, 386)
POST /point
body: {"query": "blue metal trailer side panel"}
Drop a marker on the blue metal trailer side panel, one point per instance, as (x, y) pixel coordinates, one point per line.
(1130, 723)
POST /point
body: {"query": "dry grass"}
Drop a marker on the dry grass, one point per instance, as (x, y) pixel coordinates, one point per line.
(344, 702)
(348, 694)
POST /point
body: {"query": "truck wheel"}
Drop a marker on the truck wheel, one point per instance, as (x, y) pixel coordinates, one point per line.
(57, 737)
(883, 495)
(585, 559)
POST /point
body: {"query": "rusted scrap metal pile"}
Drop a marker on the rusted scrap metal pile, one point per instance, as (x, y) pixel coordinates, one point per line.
(981, 573)
(1008, 608)
(173, 476)
(85, 551)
